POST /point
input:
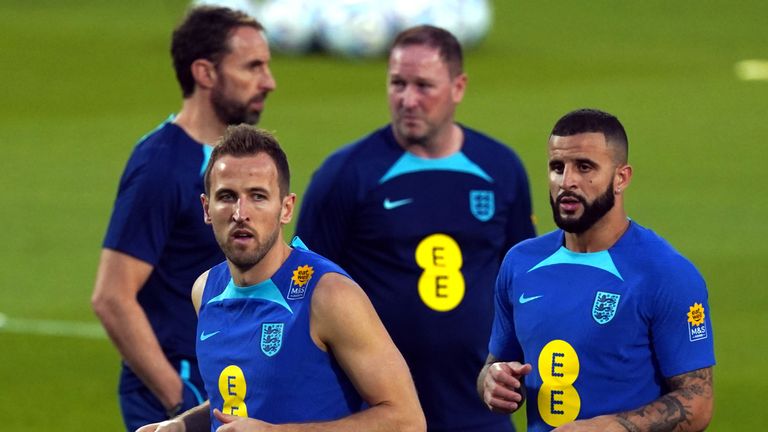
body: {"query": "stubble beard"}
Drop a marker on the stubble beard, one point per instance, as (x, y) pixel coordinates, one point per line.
(592, 213)
(410, 138)
(245, 260)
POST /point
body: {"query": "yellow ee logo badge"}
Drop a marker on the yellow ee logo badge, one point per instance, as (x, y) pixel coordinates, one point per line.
(232, 389)
(441, 285)
(558, 401)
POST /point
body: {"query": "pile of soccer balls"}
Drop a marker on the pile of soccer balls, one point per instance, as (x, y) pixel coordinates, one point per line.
(359, 28)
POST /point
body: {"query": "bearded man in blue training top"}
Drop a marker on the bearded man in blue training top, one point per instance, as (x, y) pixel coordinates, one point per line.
(602, 323)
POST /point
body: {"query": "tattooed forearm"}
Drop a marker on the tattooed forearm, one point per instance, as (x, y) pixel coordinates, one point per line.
(693, 384)
(687, 407)
(664, 414)
(627, 424)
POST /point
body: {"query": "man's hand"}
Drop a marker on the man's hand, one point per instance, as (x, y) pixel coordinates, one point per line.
(232, 423)
(166, 426)
(502, 386)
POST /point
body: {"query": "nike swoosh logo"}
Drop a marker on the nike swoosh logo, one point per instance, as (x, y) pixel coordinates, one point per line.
(204, 336)
(389, 205)
(523, 299)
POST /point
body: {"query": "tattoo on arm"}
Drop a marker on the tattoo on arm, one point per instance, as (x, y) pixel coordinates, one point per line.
(674, 410)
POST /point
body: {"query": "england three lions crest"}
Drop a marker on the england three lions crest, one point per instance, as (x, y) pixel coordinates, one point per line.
(604, 308)
(482, 204)
(271, 338)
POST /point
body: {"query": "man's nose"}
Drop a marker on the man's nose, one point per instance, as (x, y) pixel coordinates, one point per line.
(570, 178)
(410, 97)
(240, 214)
(269, 82)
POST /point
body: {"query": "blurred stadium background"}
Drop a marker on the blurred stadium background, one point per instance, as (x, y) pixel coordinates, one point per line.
(82, 80)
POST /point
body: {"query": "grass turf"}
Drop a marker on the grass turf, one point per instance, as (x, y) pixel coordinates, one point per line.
(83, 80)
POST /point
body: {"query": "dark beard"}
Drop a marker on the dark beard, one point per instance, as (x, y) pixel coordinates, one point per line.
(232, 112)
(592, 212)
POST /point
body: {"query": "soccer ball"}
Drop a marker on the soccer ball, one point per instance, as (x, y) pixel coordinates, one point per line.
(355, 28)
(290, 24)
(468, 20)
(475, 20)
(439, 13)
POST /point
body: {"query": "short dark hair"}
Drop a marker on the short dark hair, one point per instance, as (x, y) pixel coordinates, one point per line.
(434, 37)
(204, 34)
(592, 120)
(245, 140)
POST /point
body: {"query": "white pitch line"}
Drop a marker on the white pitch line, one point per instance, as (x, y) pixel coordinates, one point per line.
(752, 70)
(51, 327)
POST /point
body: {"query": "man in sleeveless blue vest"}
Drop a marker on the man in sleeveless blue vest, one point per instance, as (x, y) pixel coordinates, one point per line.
(285, 337)
(421, 212)
(602, 323)
(156, 243)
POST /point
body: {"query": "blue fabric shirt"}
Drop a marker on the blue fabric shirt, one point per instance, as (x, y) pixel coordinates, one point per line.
(603, 330)
(158, 218)
(425, 238)
(255, 351)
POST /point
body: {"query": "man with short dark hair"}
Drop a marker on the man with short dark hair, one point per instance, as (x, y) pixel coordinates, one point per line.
(602, 323)
(156, 243)
(421, 212)
(287, 340)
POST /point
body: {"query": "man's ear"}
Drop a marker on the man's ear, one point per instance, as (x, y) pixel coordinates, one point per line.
(204, 202)
(286, 212)
(204, 73)
(459, 85)
(622, 179)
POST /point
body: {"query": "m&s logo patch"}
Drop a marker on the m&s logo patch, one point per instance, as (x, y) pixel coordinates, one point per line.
(299, 281)
(697, 327)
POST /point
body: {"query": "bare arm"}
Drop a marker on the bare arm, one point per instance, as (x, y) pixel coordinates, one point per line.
(687, 407)
(197, 291)
(197, 419)
(500, 384)
(344, 322)
(118, 280)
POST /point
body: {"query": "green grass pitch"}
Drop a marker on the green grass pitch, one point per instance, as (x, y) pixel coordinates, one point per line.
(81, 81)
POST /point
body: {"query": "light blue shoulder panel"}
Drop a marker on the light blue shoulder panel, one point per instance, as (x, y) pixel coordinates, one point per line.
(458, 162)
(601, 260)
(266, 290)
(207, 150)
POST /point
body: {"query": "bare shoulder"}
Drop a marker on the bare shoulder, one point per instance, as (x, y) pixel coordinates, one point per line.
(334, 290)
(341, 311)
(197, 290)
